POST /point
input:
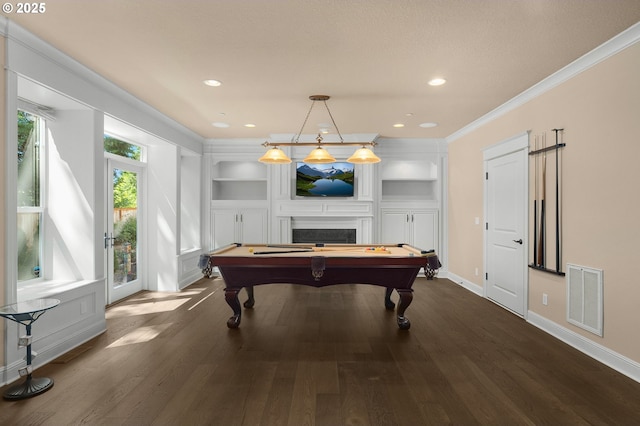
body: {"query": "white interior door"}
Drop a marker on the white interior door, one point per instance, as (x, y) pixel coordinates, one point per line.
(123, 242)
(505, 238)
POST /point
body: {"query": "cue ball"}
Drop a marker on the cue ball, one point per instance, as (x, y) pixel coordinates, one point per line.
(410, 254)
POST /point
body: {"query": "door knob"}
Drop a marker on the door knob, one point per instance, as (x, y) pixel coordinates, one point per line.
(518, 241)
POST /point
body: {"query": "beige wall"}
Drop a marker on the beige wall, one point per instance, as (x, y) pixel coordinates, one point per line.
(600, 112)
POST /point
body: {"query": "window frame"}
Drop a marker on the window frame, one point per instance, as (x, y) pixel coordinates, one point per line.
(41, 208)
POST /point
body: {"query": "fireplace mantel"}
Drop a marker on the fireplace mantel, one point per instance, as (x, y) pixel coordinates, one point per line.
(324, 208)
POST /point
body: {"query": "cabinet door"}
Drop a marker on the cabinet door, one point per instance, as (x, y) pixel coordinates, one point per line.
(223, 227)
(394, 227)
(424, 229)
(253, 226)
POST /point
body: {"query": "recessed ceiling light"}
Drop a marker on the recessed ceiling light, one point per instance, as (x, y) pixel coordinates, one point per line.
(212, 83)
(220, 125)
(250, 125)
(437, 82)
(427, 125)
(398, 125)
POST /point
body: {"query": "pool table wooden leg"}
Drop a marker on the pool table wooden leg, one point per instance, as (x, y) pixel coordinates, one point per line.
(406, 296)
(250, 300)
(388, 303)
(231, 296)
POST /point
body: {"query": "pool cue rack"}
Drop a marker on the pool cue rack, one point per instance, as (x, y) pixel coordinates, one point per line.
(540, 212)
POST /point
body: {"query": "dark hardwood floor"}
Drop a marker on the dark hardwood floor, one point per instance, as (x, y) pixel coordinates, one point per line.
(330, 356)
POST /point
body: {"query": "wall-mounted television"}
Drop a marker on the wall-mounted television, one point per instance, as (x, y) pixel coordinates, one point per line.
(324, 180)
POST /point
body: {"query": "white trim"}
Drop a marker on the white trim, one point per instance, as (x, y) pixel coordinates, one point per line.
(507, 146)
(472, 287)
(11, 195)
(617, 44)
(3, 26)
(618, 362)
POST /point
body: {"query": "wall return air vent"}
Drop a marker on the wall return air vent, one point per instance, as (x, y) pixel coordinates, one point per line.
(584, 298)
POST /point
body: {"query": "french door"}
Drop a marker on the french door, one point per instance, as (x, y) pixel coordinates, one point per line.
(123, 240)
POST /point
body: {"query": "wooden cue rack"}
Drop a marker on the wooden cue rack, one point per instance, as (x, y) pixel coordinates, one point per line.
(540, 212)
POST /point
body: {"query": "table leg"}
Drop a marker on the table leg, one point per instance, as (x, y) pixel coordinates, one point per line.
(388, 303)
(30, 387)
(406, 296)
(250, 300)
(231, 296)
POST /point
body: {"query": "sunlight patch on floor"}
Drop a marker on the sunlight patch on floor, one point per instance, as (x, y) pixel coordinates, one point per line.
(153, 295)
(145, 308)
(140, 335)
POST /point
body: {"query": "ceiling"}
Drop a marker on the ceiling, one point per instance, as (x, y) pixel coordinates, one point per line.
(373, 57)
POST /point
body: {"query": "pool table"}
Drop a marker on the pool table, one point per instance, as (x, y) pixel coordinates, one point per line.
(393, 266)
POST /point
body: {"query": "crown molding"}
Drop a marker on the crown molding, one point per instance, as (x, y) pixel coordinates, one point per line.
(98, 92)
(615, 45)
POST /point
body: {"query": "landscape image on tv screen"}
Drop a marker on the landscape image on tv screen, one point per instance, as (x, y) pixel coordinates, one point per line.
(324, 180)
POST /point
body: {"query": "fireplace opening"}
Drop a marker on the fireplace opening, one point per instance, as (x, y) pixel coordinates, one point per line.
(325, 236)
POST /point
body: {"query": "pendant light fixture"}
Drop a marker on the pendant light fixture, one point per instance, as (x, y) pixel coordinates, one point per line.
(319, 155)
(275, 156)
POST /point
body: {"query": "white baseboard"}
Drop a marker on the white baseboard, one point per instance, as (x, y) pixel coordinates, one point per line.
(472, 287)
(618, 362)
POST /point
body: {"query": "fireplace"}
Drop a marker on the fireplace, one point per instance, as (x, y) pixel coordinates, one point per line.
(326, 236)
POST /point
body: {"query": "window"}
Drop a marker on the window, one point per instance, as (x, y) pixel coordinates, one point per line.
(122, 148)
(30, 199)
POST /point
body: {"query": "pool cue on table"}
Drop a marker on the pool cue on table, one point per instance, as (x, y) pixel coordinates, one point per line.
(283, 251)
(291, 246)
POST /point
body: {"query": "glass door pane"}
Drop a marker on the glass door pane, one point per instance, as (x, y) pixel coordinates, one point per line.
(125, 226)
(122, 239)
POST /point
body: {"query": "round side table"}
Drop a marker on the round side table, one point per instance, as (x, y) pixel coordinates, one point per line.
(26, 313)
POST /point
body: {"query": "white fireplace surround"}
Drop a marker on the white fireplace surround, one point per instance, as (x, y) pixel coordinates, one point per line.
(362, 225)
(302, 222)
(325, 214)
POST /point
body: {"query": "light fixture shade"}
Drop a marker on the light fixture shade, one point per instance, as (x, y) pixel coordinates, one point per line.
(363, 156)
(274, 156)
(319, 156)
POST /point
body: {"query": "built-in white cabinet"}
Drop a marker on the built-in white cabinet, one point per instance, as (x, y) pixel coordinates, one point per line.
(416, 227)
(238, 226)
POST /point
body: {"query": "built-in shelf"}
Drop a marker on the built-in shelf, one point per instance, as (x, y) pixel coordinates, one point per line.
(409, 189)
(239, 180)
(408, 180)
(408, 170)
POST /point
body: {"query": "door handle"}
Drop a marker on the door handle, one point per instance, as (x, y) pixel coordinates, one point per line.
(108, 241)
(518, 241)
